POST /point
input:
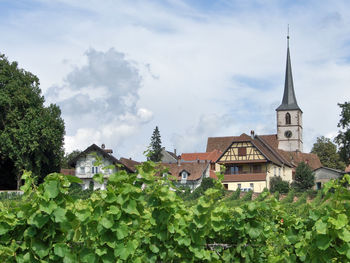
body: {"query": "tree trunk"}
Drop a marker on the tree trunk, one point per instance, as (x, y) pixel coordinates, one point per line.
(19, 183)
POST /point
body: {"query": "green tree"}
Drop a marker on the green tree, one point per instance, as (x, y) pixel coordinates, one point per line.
(155, 146)
(278, 185)
(327, 152)
(67, 157)
(304, 177)
(31, 135)
(343, 138)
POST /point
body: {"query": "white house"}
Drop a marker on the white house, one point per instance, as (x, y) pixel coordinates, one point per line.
(86, 166)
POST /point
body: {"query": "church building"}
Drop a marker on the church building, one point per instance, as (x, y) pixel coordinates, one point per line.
(251, 161)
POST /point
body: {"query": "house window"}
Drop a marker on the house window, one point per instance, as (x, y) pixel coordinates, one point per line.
(234, 169)
(184, 175)
(239, 186)
(94, 170)
(81, 170)
(242, 151)
(252, 186)
(279, 172)
(226, 186)
(274, 171)
(257, 168)
(288, 120)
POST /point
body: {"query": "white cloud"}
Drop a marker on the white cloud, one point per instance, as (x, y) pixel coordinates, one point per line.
(101, 107)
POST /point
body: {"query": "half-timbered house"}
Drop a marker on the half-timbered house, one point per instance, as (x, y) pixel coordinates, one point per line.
(250, 161)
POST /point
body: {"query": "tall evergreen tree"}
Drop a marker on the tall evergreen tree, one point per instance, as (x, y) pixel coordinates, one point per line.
(304, 177)
(155, 146)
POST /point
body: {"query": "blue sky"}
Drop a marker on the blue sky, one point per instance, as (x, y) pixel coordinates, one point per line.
(194, 68)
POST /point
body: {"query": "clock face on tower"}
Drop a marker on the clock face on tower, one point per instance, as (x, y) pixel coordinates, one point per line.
(288, 134)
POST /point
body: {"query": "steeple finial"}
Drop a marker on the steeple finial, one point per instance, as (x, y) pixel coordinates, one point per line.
(288, 36)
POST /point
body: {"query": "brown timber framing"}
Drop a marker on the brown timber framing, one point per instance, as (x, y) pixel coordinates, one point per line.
(253, 154)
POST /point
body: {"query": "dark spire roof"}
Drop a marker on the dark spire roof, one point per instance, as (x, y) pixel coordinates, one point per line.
(289, 101)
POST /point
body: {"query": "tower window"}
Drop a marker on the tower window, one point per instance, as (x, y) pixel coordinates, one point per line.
(288, 120)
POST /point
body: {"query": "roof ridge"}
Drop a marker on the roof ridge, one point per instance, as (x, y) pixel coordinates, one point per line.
(275, 153)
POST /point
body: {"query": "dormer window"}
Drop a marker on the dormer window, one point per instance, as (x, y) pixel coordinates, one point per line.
(81, 170)
(184, 175)
(288, 119)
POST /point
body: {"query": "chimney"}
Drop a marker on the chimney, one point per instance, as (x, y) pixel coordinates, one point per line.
(252, 134)
(179, 160)
(175, 152)
(109, 151)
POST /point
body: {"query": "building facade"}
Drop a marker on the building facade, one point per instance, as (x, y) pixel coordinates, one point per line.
(251, 161)
(96, 160)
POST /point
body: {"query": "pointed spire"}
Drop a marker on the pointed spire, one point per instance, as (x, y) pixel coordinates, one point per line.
(289, 101)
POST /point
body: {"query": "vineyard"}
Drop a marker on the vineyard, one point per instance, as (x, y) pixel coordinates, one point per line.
(139, 219)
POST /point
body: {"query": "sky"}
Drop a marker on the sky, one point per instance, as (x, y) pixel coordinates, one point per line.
(196, 68)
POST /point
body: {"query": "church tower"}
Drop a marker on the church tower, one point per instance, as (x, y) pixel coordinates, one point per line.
(289, 115)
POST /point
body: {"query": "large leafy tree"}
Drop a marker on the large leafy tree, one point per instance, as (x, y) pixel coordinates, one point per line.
(304, 177)
(343, 138)
(67, 157)
(327, 152)
(31, 135)
(155, 146)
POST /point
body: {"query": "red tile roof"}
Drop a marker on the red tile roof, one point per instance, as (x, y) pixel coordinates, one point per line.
(210, 156)
(129, 163)
(222, 143)
(195, 169)
(268, 145)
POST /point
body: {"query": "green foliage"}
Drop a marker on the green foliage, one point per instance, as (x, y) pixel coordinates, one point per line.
(264, 194)
(31, 135)
(125, 223)
(248, 196)
(289, 198)
(200, 190)
(68, 157)
(155, 154)
(236, 194)
(343, 138)
(304, 177)
(277, 184)
(76, 191)
(327, 152)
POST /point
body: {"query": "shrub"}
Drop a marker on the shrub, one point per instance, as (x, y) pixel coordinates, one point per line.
(236, 194)
(277, 184)
(248, 196)
(289, 198)
(264, 194)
